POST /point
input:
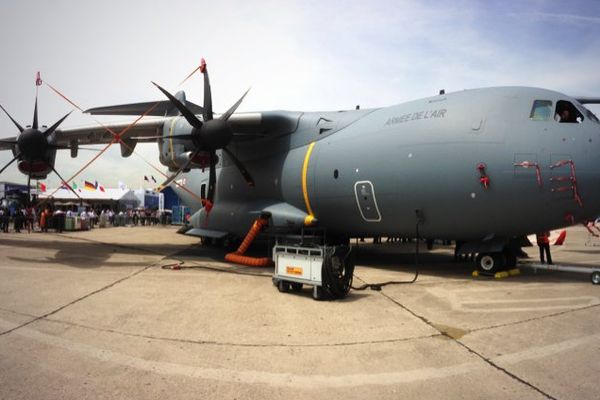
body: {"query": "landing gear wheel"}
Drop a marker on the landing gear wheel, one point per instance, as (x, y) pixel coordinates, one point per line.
(490, 262)
(283, 286)
(296, 286)
(595, 277)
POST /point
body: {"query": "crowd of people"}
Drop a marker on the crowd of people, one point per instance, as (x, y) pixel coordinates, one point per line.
(74, 218)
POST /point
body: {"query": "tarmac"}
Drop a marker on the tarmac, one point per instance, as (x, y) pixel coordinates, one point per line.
(94, 315)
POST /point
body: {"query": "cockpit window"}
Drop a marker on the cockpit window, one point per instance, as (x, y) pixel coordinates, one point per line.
(541, 110)
(567, 112)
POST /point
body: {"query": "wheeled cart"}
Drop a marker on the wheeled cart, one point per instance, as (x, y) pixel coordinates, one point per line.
(296, 266)
(328, 269)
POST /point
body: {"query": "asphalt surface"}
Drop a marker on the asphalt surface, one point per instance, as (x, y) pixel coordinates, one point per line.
(94, 315)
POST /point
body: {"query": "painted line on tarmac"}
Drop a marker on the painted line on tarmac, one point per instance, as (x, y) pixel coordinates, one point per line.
(302, 381)
(458, 302)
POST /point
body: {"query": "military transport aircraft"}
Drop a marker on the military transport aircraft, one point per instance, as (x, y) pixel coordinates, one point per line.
(483, 167)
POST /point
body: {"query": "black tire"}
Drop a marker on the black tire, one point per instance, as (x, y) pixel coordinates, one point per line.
(296, 286)
(283, 286)
(490, 263)
(595, 277)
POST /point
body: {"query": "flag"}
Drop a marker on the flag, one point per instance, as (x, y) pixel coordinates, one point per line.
(146, 178)
(153, 180)
(98, 186)
(89, 185)
(74, 185)
(41, 187)
(122, 185)
(38, 79)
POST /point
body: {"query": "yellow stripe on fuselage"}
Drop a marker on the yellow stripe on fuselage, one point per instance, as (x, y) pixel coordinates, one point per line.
(304, 184)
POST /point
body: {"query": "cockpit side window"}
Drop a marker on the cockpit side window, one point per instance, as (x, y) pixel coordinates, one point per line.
(590, 115)
(541, 110)
(566, 112)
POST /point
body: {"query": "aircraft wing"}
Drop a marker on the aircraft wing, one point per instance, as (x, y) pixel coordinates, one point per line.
(588, 100)
(245, 126)
(7, 143)
(158, 108)
(143, 131)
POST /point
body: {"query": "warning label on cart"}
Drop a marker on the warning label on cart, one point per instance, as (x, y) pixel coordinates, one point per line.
(293, 270)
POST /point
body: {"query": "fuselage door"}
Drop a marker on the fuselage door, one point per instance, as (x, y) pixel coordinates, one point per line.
(366, 201)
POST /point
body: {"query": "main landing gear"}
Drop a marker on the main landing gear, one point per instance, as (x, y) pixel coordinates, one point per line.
(495, 261)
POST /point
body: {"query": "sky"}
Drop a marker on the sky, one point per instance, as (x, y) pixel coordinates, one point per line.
(295, 55)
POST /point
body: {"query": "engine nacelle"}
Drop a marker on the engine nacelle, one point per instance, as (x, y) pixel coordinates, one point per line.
(37, 168)
(175, 152)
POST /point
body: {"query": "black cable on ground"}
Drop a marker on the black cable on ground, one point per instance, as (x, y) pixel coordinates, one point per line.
(377, 286)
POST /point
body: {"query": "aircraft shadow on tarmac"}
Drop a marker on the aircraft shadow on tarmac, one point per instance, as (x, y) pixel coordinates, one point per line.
(386, 257)
(87, 255)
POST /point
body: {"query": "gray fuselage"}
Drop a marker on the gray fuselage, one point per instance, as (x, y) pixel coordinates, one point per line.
(366, 172)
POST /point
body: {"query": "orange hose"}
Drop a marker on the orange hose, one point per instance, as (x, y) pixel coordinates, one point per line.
(238, 256)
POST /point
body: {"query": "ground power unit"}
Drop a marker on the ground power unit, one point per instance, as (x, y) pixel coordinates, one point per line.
(328, 269)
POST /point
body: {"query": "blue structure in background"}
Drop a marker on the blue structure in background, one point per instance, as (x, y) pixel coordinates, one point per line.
(171, 198)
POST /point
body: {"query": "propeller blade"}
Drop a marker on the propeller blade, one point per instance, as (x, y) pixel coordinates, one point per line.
(35, 117)
(212, 178)
(247, 177)
(65, 182)
(187, 114)
(171, 178)
(51, 130)
(229, 112)
(208, 111)
(12, 119)
(10, 162)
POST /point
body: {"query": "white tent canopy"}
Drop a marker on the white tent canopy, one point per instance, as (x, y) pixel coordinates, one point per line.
(93, 195)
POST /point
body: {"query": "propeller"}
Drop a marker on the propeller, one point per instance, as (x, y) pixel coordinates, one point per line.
(208, 135)
(33, 144)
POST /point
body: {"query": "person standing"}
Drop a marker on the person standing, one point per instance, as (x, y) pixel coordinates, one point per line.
(543, 241)
(59, 218)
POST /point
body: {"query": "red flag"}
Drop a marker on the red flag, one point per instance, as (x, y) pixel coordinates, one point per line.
(38, 79)
(101, 188)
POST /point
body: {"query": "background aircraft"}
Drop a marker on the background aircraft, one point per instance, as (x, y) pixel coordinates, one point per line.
(484, 167)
